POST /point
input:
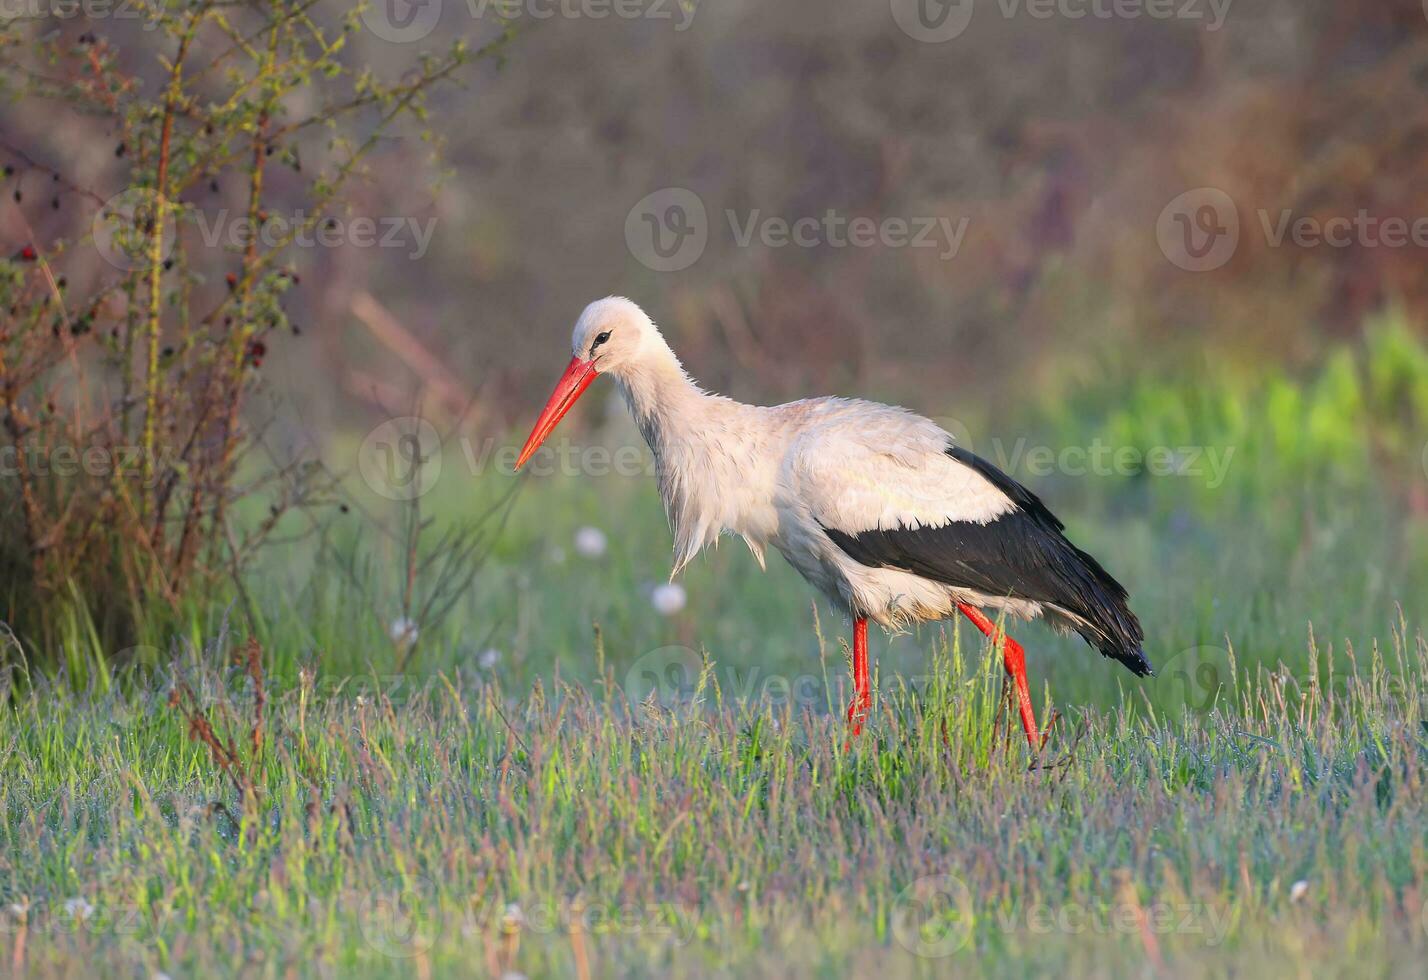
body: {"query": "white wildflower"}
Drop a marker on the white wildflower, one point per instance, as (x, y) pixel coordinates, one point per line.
(668, 599)
(590, 542)
(78, 908)
(489, 658)
(1298, 890)
(403, 631)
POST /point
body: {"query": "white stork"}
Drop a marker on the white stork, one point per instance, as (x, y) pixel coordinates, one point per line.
(874, 505)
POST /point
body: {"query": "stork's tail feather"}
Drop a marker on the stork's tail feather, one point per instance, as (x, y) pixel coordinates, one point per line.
(1120, 648)
(1102, 615)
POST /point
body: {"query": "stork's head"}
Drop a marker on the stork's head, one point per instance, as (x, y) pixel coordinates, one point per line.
(613, 336)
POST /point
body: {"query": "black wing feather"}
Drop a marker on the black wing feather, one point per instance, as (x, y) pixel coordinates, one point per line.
(1022, 554)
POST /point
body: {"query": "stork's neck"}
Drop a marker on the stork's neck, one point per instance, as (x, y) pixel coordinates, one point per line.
(663, 399)
(714, 466)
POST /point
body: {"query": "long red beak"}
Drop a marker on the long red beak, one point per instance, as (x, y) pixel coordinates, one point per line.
(572, 383)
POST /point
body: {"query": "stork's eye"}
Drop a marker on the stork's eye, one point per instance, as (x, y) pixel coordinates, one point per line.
(600, 340)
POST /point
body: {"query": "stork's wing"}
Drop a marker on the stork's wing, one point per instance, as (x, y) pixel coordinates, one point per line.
(909, 499)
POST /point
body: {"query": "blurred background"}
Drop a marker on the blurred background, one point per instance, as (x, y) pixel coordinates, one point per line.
(1057, 139)
(1190, 226)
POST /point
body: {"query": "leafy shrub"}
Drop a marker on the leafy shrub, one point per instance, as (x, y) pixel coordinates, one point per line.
(125, 384)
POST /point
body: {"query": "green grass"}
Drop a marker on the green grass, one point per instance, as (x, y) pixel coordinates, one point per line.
(464, 827)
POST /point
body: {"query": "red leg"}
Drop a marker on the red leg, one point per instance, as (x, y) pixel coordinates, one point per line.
(862, 685)
(1014, 659)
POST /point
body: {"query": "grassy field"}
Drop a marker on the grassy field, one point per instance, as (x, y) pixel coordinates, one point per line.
(557, 779)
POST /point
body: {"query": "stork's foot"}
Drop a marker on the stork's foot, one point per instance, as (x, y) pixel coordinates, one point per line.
(858, 709)
(1042, 764)
(1050, 726)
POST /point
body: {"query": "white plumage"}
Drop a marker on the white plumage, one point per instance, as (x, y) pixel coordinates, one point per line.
(777, 476)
